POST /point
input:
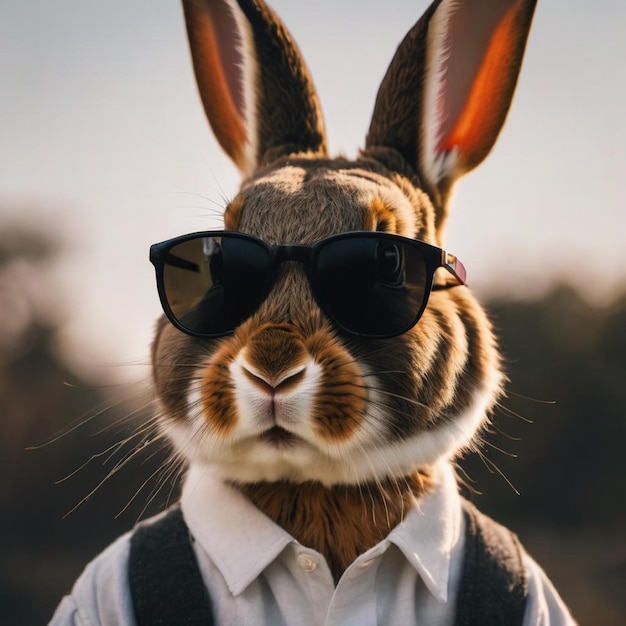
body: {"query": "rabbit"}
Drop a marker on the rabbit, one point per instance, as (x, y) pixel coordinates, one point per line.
(285, 399)
(324, 357)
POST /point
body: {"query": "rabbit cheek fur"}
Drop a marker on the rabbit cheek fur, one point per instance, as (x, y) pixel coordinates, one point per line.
(332, 436)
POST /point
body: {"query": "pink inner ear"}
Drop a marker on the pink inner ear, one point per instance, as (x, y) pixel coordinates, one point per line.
(216, 42)
(230, 45)
(476, 89)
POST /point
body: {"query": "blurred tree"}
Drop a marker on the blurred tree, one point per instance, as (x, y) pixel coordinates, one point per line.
(565, 361)
(40, 398)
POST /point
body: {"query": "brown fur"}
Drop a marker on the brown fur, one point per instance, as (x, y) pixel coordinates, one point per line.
(341, 522)
(232, 214)
(381, 217)
(217, 394)
(339, 409)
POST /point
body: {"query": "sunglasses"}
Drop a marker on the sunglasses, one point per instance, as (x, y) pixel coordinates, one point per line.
(370, 284)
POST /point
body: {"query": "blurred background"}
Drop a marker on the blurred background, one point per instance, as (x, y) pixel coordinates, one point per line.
(105, 150)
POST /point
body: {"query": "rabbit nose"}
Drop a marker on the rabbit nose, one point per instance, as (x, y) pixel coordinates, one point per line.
(271, 386)
(275, 357)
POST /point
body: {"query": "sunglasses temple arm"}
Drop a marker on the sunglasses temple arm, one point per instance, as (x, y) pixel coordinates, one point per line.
(455, 267)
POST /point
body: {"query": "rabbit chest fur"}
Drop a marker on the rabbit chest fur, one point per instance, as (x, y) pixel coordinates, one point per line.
(332, 434)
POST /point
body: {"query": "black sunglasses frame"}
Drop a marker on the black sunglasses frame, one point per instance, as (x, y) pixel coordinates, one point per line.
(433, 256)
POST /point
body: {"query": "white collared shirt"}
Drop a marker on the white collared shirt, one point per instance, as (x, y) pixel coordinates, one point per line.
(258, 574)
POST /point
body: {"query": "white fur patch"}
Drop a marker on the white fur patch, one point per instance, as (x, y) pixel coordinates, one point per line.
(436, 165)
(363, 458)
(340, 464)
(250, 85)
(422, 449)
(260, 410)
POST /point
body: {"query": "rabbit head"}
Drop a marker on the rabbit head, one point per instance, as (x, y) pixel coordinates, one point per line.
(289, 396)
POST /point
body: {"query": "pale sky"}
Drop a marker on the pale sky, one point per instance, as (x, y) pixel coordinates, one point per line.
(102, 133)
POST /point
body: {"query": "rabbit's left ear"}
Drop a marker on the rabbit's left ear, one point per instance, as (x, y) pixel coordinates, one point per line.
(255, 87)
(448, 89)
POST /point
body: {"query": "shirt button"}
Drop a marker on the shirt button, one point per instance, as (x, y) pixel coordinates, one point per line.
(307, 562)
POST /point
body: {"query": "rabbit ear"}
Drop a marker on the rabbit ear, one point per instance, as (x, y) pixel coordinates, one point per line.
(255, 87)
(448, 89)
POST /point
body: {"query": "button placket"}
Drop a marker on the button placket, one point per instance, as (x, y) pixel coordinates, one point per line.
(358, 582)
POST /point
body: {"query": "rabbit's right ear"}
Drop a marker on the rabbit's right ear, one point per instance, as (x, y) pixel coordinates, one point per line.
(255, 87)
(448, 89)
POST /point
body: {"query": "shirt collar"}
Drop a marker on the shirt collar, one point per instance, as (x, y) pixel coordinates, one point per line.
(430, 533)
(241, 541)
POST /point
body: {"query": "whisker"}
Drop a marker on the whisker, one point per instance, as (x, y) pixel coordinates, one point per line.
(174, 467)
(123, 419)
(529, 398)
(115, 447)
(399, 397)
(80, 421)
(512, 413)
(491, 445)
(466, 480)
(493, 468)
(138, 491)
(500, 432)
(164, 471)
(126, 458)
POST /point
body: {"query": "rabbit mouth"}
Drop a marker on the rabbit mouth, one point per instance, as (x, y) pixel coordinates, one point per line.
(279, 437)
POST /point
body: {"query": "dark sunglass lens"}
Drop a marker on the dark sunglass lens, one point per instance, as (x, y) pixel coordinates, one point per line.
(372, 285)
(212, 284)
